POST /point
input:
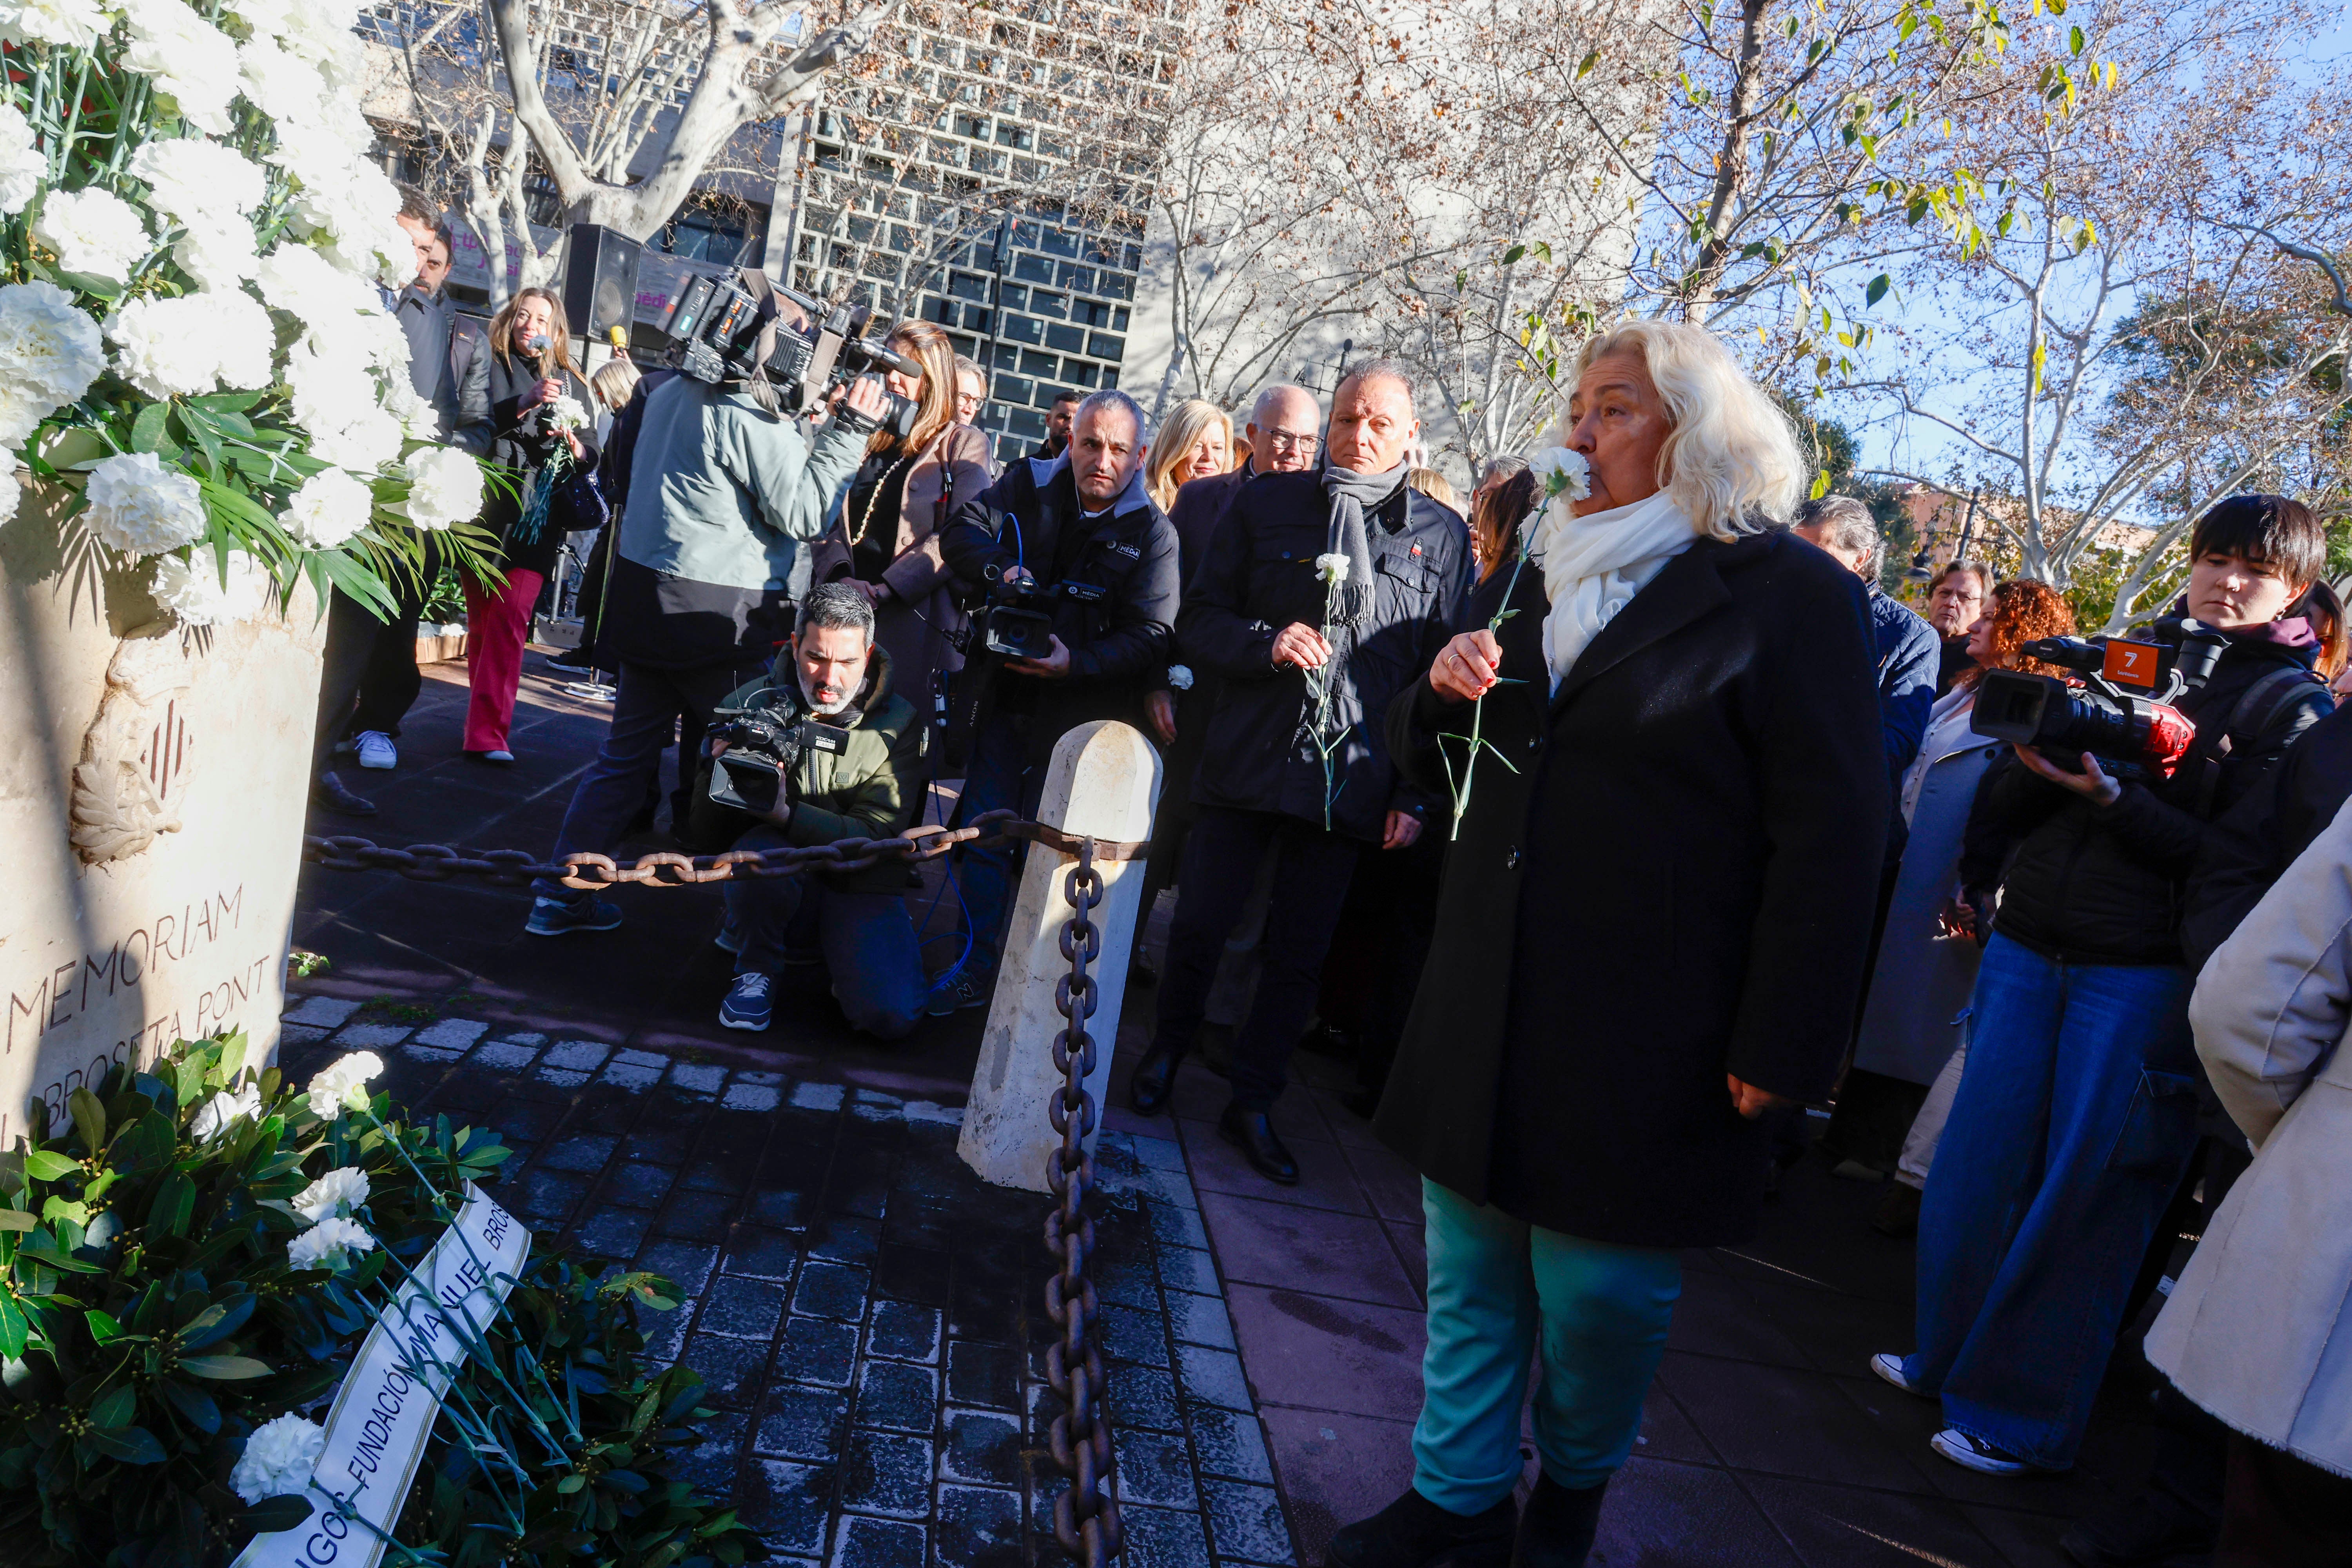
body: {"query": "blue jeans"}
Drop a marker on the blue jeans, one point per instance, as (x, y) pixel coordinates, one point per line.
(2074, 1118)
(999, 775)
(1500, 1289)
(867, 941)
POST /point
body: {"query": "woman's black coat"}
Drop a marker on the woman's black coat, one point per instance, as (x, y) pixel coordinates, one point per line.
(1675, 884)
(490, 405)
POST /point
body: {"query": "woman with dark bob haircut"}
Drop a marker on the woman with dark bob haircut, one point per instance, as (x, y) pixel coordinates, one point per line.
(2077, 1115)
(1652, 927)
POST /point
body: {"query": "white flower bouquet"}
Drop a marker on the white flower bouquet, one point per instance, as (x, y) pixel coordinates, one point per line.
(192, 247)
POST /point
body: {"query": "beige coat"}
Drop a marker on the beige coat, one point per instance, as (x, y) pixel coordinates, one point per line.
(2259, 1330)
(921, 614)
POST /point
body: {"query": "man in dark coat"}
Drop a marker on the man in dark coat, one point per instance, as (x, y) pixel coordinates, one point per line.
(1321, 596)
(1098, 559)
(1283, 435)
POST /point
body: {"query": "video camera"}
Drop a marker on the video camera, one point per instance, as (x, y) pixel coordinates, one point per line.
(764, 742)
(2117, 706)
(1016, 621)
(721, 327)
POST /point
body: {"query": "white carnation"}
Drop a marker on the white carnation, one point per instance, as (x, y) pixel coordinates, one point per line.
(338, 1195)
(344, 1085)
(329, 1245)
(11, 493)
(328, 509)
(363, 445)
(141, 508)
(445, 486)
(297, 279)
(266, 18)
(23, 165)
(49, 354)
(1563, 472)
(288, 89)
(186, 346)
(93, 231)
(213, 1116)
(193, 177)
(1331, 568)
(194, 63)
(76, 23)
(193, 591)
(278, 1458)
(218, 255)
(1180, 678)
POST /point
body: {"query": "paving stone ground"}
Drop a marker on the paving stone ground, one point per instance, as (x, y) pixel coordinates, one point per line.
(868, 1316)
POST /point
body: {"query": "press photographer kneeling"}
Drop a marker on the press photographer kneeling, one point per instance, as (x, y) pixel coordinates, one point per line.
(818, 750)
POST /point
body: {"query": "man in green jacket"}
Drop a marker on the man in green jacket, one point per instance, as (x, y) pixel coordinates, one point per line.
(860, 757)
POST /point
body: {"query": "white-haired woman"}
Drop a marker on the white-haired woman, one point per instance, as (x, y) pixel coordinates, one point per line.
(1653, 927)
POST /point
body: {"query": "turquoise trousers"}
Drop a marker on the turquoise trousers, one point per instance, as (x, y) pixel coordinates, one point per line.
(1499, 1289)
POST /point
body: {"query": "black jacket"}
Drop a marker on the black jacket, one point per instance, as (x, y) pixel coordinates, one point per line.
(2245, 851)
(1119, 637)
(1676, 883)
(1257, 577)
(490, 409)
(2107, 885)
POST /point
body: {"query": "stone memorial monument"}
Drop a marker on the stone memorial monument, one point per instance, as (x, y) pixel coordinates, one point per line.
(152, 800)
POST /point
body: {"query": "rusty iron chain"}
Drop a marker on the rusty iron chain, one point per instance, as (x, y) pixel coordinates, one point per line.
(1086, 1517)
(516, 867)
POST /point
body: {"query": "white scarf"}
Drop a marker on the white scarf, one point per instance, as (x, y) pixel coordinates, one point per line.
(1593, 566)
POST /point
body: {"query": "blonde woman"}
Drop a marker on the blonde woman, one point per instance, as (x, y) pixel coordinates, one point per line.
(528, 365)
(1648, 933)
(885, 540)
(1433, 485)
(1196, 442)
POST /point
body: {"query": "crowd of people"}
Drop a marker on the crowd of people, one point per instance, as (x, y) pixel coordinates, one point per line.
(1602, 871)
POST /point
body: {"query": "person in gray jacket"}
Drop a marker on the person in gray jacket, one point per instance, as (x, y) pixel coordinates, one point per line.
(724, 495)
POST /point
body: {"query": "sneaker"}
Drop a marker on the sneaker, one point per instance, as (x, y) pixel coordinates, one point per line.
(501, 757)
(558, 917)
(328, 793)
(955, 991)
(1889, 1366)
(746, 1006)
(1976, 1454)
(574, 660)
(376, 750)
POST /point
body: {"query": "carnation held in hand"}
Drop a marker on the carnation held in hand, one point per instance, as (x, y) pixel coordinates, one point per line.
(93, 231)
(338, 1195)
(1563, 472)
(278, 1458)
(216, 1115)
(330, 508)
(192, 590)
(344, 1085)
(331, 1245)
(1332, 568)
(566, 414)
(49, 355)
(445, 487)
(141, 508)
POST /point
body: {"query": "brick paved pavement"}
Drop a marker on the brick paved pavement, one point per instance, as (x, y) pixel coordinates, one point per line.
(866, 1313)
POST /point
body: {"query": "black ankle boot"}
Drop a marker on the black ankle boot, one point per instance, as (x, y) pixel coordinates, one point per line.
(1414, 1533)
(1556, 1531)
(1154, 1079)
(1252, 1131)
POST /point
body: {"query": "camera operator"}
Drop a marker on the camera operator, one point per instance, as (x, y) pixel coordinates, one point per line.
(1084, 547)
(855, 771)
(724, 492)
(2078, 1111)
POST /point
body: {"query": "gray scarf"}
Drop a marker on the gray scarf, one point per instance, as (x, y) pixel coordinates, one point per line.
(1352, 494)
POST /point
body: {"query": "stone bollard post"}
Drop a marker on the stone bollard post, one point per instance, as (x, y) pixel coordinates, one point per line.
(1103, 781)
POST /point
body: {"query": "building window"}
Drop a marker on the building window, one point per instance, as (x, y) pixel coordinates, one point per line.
(703, 235)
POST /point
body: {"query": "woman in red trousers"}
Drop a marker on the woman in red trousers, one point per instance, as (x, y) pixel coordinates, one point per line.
(514, 390)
